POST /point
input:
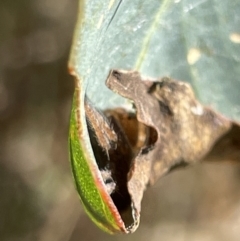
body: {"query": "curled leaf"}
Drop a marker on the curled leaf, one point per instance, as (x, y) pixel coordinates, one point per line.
(122, 152)
(101, 183)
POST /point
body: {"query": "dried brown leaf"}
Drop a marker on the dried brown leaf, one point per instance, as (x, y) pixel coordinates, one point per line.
(186, 130)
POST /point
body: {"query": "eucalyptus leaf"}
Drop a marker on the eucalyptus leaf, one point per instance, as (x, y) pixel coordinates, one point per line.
(195, 41)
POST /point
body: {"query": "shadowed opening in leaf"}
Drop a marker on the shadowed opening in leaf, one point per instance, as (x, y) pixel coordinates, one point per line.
(115, 163)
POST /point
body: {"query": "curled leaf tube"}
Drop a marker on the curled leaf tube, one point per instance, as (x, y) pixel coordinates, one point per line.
(102, 148)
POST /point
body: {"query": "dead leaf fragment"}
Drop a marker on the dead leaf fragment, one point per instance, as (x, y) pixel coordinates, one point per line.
(186, 130)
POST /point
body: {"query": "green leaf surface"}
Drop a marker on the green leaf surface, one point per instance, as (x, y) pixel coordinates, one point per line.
(194, 41)
(96, 201)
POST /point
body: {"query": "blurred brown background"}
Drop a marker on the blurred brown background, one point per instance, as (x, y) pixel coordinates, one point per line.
(37, 196)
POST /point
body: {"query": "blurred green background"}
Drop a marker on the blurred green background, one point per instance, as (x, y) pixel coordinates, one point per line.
(37, 196)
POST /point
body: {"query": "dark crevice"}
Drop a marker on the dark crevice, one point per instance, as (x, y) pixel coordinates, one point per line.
(118, 161)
